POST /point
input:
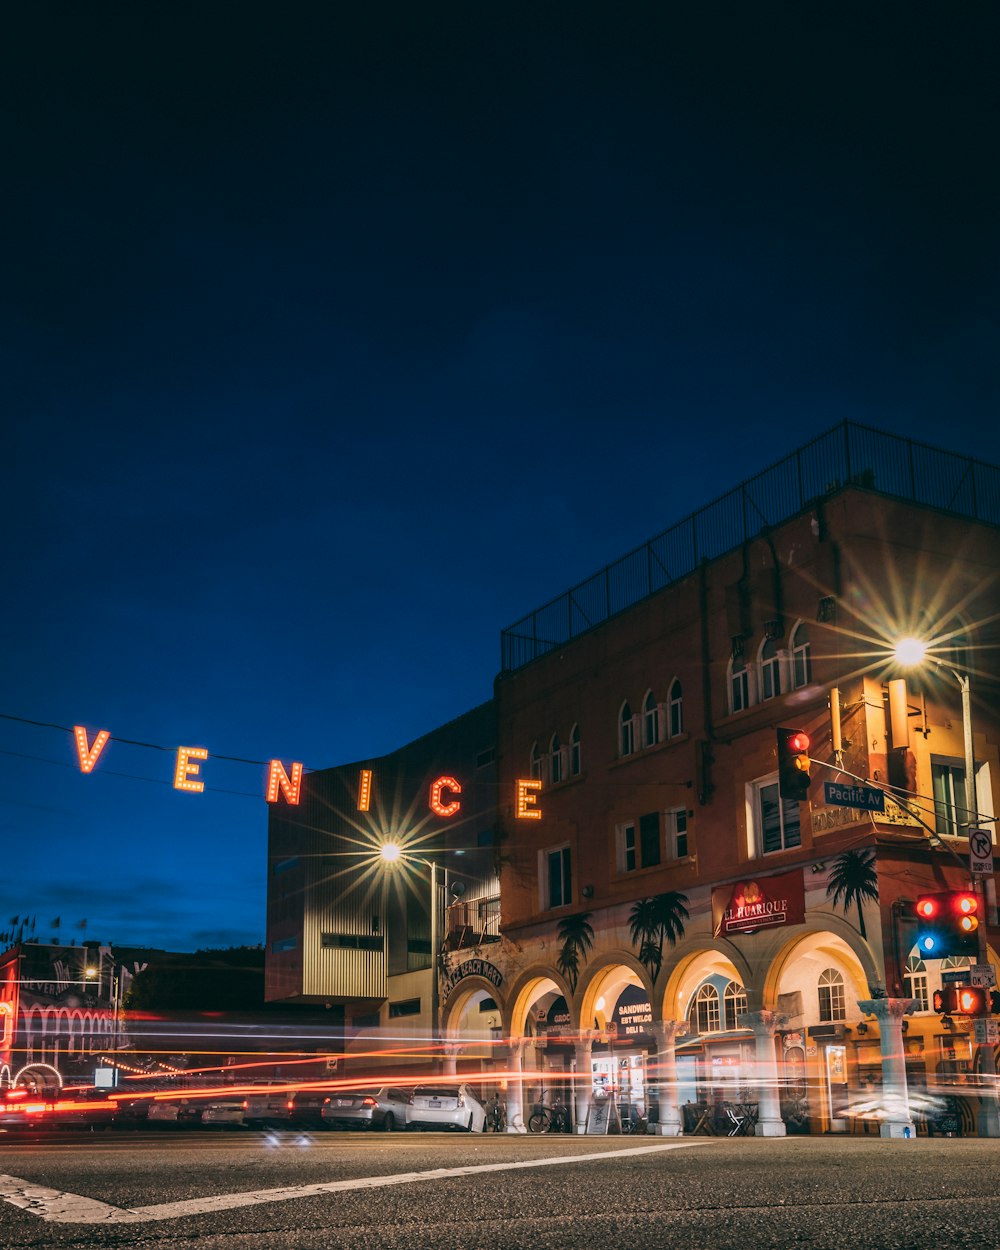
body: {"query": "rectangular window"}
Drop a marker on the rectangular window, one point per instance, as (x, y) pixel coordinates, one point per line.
(408, 1007)
(627, 861)
(677, 833)
(948, 783)
(560, 877)
(284, 944)
(351, 941)
(649, 839)
(775, 820)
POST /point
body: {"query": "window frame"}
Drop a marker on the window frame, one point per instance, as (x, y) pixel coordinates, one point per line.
(675, 828)
(831, 985)
(555, 760)
(575, 756)
(757, 841)
(675, 709)
(564, 854)
(801, 656)
(769, 667)
(626, 730)
(650, 720)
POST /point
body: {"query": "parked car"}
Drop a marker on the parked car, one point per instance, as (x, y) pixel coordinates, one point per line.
(305, 1107)
(223, 1113)
(174, 1113)
(446, 1107)
(384, 1107)
(268, 1107)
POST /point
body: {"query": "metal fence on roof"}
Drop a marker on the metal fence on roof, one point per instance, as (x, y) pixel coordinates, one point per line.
(848, 454)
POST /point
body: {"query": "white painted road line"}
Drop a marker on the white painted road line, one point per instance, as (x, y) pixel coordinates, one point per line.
(63, 1208)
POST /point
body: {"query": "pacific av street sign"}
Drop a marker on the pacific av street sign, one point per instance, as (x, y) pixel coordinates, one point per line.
(867, 798)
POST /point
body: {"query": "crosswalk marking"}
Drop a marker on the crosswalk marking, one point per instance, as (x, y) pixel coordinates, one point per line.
(60, 1207)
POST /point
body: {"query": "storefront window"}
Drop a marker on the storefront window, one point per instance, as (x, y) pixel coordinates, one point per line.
(735, 1003)
(832, 1004)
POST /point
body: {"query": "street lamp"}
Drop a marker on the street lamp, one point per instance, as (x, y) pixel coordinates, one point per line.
(909, 653)
(392, 853)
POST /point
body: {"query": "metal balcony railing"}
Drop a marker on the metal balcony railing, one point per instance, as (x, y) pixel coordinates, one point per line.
(847, 455)
(471, 922)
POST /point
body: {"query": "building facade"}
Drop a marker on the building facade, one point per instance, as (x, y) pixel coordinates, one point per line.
(674, 934)
(349, 929)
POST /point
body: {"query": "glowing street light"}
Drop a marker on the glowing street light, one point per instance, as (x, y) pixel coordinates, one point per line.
(392, 853)
(910, 651)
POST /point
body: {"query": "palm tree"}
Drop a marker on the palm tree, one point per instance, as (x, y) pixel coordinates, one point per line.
(655, 920)
(853, 879)
(577, 938)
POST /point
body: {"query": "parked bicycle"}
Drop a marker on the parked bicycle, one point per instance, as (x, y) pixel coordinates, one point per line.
(554, 1119)
(632, 1120)
(496, 1115)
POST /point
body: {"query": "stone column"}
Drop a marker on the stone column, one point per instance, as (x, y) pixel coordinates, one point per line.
(889, 1013)
(451, 1050)
(665, 1033)
(764, 1025)
(515, 1097)
(583, 1086)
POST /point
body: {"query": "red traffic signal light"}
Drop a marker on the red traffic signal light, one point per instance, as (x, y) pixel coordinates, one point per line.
(962, 1000)
(793, 764)
(947, 924)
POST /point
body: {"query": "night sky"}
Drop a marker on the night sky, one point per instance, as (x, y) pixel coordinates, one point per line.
(336, 338)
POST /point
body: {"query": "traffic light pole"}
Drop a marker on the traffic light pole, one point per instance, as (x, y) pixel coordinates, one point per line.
(989, 1112)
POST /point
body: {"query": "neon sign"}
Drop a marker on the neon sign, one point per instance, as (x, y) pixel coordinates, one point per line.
(186, 768)
(277, 779)
(437, 804)
(443, 799)
(89, 755)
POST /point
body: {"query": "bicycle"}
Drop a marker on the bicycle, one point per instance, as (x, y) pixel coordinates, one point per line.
(634, 1121)
(554, 1119)
(496, 1116)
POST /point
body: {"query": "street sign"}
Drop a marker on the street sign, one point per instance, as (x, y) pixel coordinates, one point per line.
(981, 852)
(867, 798)
(961, 977)
(986, 1032)
(983, 975)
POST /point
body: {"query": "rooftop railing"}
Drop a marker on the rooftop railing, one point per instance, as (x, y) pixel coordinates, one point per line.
(847, 455)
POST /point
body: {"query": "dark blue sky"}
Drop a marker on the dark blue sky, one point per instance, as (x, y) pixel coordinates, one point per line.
(334, 341)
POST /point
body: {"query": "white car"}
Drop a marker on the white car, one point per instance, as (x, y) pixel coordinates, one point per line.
(176, 1112)
(225, 1113)
(446, 1107)
(269, 1106)
(383, 1107)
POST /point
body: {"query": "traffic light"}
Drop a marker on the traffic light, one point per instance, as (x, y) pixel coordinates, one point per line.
(793, 764)
(961, 1000)
(947, 924)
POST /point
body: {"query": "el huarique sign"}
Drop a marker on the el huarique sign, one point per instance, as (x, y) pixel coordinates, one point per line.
(758, 903)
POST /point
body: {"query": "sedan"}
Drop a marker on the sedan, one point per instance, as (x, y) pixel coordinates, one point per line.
(176, 1113)
(446, 1107)
(223, 1113)
(384, 1107)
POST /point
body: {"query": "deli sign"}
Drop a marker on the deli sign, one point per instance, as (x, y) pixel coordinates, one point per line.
(758, 903)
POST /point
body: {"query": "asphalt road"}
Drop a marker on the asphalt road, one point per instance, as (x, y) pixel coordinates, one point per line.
(298, 1191)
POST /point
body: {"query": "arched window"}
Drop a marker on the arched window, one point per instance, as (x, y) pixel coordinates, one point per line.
(650, 721)
(801, 663)
(555, 760)
(734, 1005)
(574, 751)
(704, 1014)
(916, 981)
(770, 671)
(675, 709)
(626, 730)
(832, 1003)
(535, 762)
(739, 685)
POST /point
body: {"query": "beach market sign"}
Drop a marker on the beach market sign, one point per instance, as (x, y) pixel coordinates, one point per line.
(442, 798)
